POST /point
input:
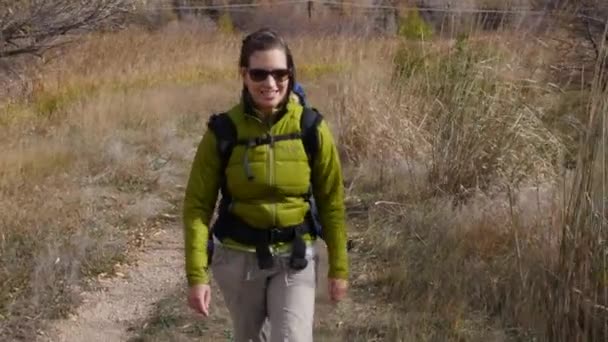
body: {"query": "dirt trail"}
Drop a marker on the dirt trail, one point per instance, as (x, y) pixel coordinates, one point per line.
(109, 313)
(125, 306)
(146, 301)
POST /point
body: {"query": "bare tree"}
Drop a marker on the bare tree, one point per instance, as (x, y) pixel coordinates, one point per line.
(594, 16)
(588, 18)
(34, 26)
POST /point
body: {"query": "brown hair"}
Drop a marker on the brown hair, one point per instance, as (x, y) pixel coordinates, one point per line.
(262, 40)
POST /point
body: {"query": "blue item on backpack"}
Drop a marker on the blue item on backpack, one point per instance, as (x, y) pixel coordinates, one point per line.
(299, 90)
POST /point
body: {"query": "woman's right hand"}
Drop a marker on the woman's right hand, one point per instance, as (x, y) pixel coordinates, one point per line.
(199, 297)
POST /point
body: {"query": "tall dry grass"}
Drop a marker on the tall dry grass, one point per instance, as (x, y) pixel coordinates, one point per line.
(480, 231)
(92, 159)
(96, 148)
(449, 147)
(580, 310)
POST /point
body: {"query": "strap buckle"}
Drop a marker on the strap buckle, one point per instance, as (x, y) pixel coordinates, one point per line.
(263, 140)
(274, 235)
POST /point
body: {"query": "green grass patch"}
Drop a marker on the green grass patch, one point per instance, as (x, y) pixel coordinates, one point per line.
(313, 71)
(47, 103)
(12, 112)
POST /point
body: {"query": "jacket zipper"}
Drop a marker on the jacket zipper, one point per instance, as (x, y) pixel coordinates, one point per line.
(270, 165)
(271, 179)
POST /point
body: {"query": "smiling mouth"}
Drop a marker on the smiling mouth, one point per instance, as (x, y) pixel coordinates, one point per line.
(269, 93)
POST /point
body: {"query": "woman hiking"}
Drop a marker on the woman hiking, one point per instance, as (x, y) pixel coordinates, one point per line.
(266, 159)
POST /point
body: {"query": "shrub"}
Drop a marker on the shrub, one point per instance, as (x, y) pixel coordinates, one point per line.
(484, 127)
(412, 26)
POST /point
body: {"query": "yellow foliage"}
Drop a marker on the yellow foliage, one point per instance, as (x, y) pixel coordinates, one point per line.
(225, 25)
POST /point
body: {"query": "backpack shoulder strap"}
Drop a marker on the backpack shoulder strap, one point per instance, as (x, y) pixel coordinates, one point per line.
(226, 136)
(310, 120)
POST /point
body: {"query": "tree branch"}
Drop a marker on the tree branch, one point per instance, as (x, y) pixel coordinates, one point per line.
(591, 39)
(33, 26)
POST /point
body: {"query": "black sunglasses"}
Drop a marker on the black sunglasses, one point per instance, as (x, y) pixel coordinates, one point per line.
(259, 75)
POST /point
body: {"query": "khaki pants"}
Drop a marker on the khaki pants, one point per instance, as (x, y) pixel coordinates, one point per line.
(266, 305)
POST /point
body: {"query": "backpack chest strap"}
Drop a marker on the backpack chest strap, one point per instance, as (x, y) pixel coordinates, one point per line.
(268, 139)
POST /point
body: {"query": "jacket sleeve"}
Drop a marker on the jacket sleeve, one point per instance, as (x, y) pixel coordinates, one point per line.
(328, 189)
(199, 203)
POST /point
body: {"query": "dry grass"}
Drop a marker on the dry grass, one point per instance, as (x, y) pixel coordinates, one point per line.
(522, 259)
(474, 272)
(454, 176)
(102, 126)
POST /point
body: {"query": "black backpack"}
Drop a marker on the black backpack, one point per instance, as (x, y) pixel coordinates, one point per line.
(226, 135)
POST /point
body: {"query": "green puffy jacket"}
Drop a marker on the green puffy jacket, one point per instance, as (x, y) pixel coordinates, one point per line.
(274, 197)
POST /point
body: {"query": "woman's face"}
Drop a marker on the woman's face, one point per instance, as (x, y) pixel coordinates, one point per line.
(267, 78)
